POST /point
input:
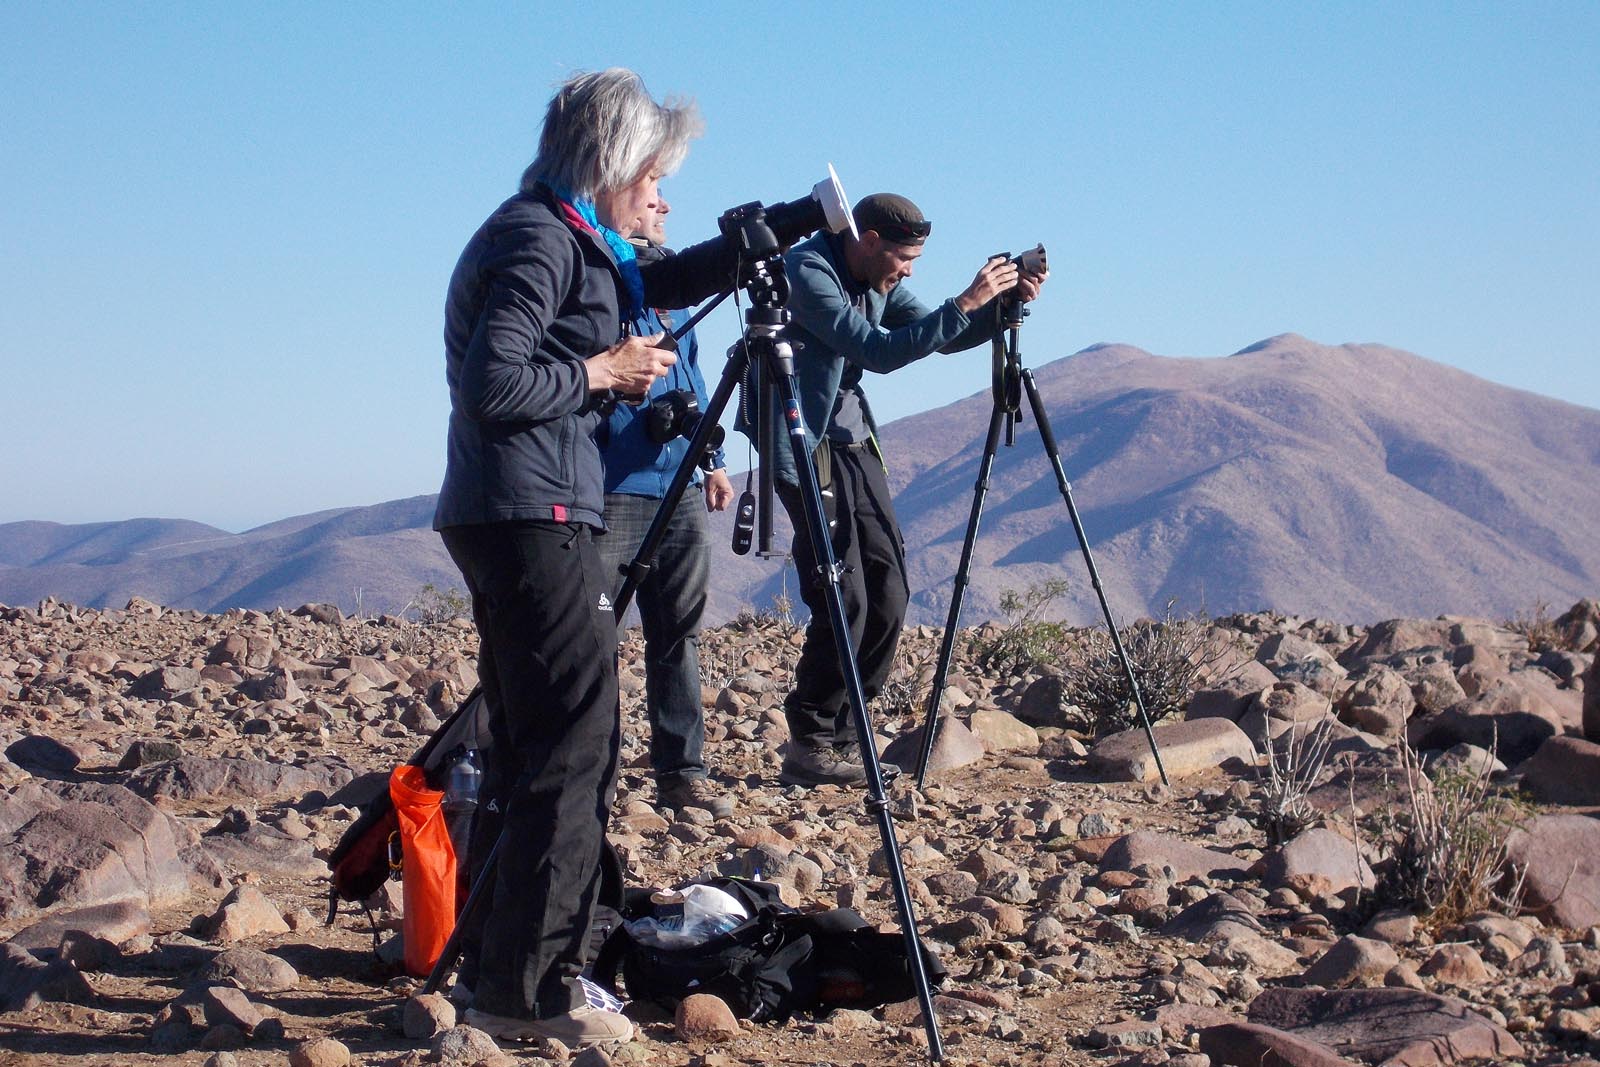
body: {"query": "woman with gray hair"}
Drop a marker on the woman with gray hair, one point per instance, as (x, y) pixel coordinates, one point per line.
(536, 346)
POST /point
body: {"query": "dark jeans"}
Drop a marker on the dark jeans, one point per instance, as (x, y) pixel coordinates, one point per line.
(547, 663)
(866, 539)
(671, 601)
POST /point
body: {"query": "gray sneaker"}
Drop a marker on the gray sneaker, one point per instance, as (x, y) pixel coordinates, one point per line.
(804, 765)
(577, 1028)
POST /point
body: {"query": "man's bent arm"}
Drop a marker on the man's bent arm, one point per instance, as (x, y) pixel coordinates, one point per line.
(818, 304)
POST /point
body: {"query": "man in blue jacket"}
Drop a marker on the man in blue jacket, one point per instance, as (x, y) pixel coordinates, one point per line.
(852, 315)
(672, 598)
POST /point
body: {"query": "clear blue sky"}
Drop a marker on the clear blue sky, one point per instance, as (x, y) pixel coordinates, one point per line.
(225, 229)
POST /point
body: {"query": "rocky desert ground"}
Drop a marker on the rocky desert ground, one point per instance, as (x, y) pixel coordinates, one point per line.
(1379, 844)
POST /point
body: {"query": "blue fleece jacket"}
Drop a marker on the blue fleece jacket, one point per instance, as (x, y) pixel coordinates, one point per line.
(636, 465)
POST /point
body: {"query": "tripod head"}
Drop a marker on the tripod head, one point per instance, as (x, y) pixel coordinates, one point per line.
(1006, 360)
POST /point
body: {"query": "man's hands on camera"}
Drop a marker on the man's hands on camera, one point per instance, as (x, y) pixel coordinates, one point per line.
(628, 367)
(994, 278)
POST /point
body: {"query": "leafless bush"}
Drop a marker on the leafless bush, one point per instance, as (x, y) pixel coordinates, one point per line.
(1294, 763)
(432, 606)
(1025, 640)
(1448, 843)
(1168, 657)
(1542, 631)
(905, 691)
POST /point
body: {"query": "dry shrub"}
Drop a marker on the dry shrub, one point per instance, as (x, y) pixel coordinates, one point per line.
(1294, 763)
(1544, 634)
(1168, 656)
(1448, 844)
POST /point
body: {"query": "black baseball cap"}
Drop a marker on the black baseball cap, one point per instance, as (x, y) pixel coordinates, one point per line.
(896, 219)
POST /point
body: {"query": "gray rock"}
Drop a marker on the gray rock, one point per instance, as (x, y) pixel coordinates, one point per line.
(145, 752)
(26, 982)
(203, 778)
(252, 970)
(115, 922)
(1193, 746)
(1380, 702)
(1513, 735)
(1393, 636)
(1042, 703)
(953, 746)
(462, 1046)
(1353, 961)
(1247, 1043)
(44, 756)
(1216, 917)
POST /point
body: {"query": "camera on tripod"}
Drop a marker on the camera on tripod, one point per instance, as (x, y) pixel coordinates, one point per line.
(762, 231)
(1012, 307)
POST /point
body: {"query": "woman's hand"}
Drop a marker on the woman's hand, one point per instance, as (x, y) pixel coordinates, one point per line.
(630, 366)
(719, 491)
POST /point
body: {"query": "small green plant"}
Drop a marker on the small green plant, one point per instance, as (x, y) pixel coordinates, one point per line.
(1447, 843)
(1168, 656)
(1025, 641)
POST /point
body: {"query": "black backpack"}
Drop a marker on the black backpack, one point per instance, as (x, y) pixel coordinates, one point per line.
(774, 964)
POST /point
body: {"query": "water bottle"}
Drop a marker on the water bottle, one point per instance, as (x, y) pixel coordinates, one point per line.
(461, 802)
(690, 917)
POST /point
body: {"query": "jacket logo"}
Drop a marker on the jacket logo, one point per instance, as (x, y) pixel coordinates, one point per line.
(605, 603)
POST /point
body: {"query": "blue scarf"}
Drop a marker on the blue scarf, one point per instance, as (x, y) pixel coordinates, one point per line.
(621, 250)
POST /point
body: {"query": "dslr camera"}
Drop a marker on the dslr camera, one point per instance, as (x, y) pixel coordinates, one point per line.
(674, 414)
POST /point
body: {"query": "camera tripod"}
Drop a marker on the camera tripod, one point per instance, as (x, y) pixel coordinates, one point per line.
(1011, 381)
(762, 274)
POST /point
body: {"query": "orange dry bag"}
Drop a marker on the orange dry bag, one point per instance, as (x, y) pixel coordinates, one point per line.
(428, 875)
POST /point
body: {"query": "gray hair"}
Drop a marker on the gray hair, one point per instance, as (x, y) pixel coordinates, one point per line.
(602, 131)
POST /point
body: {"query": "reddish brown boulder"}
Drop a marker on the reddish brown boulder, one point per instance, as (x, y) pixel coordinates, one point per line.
(1248, 1045)
(1158, 849)
(703, 1017)
(1565, 770)
(1317, 863)
(1397, 1027)
(1561, 855)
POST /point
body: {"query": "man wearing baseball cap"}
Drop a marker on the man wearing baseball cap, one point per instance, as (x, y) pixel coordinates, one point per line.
(851, 314)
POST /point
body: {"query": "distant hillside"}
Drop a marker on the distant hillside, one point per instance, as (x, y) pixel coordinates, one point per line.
(1352, 481)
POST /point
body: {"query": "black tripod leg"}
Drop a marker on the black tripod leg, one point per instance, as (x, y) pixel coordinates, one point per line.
(1048, 436)
(930, 721)
(877, 801)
